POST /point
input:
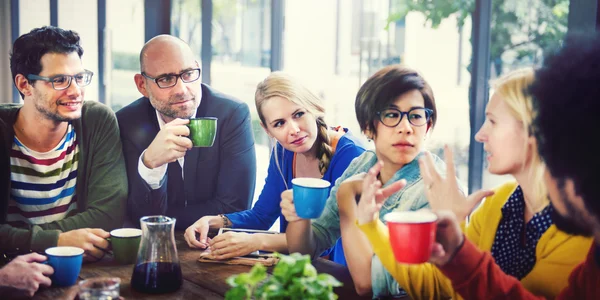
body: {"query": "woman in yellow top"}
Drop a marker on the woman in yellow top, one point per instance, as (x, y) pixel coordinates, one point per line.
(514, 223)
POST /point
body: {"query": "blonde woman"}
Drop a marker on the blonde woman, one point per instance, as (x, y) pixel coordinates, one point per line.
(514, 223)
(305, 147)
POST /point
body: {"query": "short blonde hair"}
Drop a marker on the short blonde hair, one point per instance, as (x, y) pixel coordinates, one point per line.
(514, 89)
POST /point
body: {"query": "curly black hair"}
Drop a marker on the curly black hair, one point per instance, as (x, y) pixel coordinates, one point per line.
(28, 49)
(566, 93)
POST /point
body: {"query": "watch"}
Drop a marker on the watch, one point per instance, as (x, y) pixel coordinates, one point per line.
(226, 221)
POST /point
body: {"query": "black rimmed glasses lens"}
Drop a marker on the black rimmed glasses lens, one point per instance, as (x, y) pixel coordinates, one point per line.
(391, 117)
(62, 82)
(167, 81)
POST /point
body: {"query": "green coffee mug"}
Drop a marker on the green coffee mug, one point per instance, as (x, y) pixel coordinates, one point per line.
(203, 131)
(125, 243)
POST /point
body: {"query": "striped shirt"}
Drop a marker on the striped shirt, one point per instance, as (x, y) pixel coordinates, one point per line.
(43, 184)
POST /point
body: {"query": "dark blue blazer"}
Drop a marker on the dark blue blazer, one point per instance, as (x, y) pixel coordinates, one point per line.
(218, 179)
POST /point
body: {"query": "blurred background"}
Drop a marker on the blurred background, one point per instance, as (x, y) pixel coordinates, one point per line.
(332, 46)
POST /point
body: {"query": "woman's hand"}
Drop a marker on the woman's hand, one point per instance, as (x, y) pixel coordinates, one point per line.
(288, 210)
(443, 193)
(201, 227)
(372, 196)
(233, 244)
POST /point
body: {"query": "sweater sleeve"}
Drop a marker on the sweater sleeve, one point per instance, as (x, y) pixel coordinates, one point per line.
(266, 210)
(422, 281)
(475, 275)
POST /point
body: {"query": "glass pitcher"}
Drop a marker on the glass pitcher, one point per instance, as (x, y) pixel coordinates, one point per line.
(157, 268)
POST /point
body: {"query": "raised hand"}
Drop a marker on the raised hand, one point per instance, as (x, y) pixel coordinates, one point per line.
(170, 143)
(448, 238)
(443, 193)
(26, 273)
(373, 196)
(91, 240)
(232, 244)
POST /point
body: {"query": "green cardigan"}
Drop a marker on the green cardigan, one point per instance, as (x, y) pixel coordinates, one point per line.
(101, 180)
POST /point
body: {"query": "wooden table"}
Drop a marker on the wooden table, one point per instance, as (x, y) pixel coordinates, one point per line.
(201, 280)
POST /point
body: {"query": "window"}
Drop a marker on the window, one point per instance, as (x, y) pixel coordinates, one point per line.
(343, 45)
(521, 33)
(82, 17)
(124, 37)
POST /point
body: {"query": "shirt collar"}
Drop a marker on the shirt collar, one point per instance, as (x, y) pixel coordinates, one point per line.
(410, 171)
(515, 208)
(515, 204)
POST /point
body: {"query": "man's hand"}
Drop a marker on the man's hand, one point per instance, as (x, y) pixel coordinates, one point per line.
(449, 238)
(91, 240)
(26, 273)
(201, 227)
(232, 244)
(170, 143)
(288, 210)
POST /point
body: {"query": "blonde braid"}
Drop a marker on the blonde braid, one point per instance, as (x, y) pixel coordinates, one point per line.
(324, 150)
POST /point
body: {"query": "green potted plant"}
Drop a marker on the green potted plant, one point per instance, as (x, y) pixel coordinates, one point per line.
(294, 277)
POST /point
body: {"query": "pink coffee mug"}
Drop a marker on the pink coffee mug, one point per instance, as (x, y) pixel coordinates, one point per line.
(412, 234)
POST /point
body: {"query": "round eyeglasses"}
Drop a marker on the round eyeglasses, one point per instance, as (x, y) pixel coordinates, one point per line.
(62, 82)
(417, 116)
(170, 80)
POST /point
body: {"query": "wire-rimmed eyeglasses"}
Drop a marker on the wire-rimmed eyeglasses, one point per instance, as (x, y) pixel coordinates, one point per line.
(417, 116)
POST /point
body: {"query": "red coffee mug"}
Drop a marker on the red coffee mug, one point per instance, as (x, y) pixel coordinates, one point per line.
(412, 234)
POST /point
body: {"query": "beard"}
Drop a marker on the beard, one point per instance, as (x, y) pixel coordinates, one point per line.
(53, 115)
(165, 108)
(570, 224)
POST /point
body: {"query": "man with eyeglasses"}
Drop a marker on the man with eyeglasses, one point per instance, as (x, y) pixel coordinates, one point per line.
(66, 184)
(166, 174)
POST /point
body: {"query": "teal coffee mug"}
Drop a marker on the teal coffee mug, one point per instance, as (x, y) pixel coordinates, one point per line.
(203, 131)
(66, 262)
(125, 243)
(310, 195)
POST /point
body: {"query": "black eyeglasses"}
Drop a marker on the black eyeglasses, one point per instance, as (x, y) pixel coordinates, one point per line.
(62, 82)
(170, 80)
(417, 116)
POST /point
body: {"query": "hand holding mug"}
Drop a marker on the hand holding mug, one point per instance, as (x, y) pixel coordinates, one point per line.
(288, 210)
(448, 239)
(170, 143)
(91, 240)
(26, 273)
(443, 193)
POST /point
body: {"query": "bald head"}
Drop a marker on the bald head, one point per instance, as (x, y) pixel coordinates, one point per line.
(164, 47)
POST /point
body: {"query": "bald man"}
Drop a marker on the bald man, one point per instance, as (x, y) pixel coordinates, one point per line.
(167, 176)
